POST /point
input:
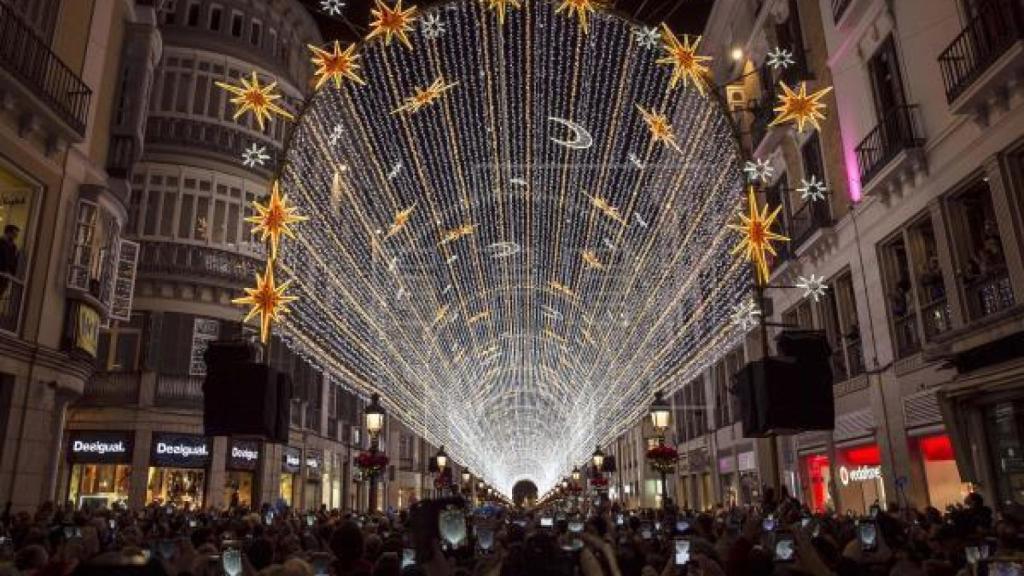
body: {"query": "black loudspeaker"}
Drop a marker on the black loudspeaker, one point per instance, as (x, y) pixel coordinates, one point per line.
(242, 397)
(790, 393)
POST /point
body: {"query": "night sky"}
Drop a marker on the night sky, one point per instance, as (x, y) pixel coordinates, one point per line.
(683, 16)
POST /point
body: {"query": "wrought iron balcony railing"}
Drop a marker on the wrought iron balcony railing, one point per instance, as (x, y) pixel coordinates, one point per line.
(893, 134)
(189, 260)
(807, 219)
(29, 59)
(179, 391)
(996, 27)
(228, 141)
(112, 388)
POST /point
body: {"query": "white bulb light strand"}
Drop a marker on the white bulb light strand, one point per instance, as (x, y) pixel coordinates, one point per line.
(461, 266)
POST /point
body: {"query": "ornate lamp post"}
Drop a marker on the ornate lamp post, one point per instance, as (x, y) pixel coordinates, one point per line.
(373, 421)
(661, 419)
(598, 459)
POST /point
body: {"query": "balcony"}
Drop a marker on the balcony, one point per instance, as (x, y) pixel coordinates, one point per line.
(839, 8)
(41, 74)
(969, 64)
(173, 260)
(111, 388)
(807, 220)
(895, 133)
(227, 142)
(179, 391)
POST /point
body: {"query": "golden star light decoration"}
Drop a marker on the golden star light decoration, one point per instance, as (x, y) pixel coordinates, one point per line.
(800, 107)
(425, 96)
(757, 235)
(401, 219)
(267, 300)
(688, 66)
(581, 9)
(392, 23)
(661, 130)
(274, 219)
(259, 99)
(335, 65)
(501, 7)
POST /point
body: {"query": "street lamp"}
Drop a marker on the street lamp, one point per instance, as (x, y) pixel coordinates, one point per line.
(576, 474)
(441, 459)
(373, 421)
(465, 476)
(598, 458)
(661, 414)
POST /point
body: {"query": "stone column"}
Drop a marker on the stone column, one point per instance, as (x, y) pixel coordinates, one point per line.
(216, 475)
(140, 468)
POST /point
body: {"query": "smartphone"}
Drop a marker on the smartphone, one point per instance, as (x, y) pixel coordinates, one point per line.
(268, 518)
(311, 519)
(1001, 568)
(867, 532)
(112, 523)
(321, 565)
(804, 521)
(231, 561)
(874, 510)
(682, 526)
(408, 557)
(547, 522)
(169, 509)
(768, 524)
(682, 551)
(657, 526)
(192, 522)
(785, 548)
(645, 532)
(576, 526)
(619, 521)
(71, 531)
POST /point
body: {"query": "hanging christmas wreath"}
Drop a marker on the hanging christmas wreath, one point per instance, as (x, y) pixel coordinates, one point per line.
(371, 463)
(663, 458)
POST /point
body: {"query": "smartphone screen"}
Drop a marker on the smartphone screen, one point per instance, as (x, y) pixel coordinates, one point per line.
(408, 557)
(310, 519)
(321, 566)
(682, 526)
(112, 523)
(768, 524)
(547, 522)
(682, 551)
(576, 526)
(785, 550)
(268, 518)
(867, 532)
(1001, 568)
(619, 520)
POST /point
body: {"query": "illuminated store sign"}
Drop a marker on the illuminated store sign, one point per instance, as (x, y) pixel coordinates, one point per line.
(243, 454)
(859, 474)
(180, 451)
(100, 447)
(291, 460)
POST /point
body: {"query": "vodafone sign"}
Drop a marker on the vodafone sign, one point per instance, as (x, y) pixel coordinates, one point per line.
(859, 474)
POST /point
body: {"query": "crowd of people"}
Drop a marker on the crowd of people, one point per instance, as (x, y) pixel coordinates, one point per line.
(588, 537)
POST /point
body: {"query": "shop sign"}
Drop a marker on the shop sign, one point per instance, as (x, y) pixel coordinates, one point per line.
(859, 474)
(180, 451)
(243, 454)
(291, 460)
(89, 447)
(746, 461)
(87, 329)
(314, 464)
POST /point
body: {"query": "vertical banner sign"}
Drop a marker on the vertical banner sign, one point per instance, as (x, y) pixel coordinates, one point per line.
(124, 281)
(87, 329)
(204, 330)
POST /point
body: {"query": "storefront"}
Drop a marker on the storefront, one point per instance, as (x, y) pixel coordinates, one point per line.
(727, 480)
(100, 468)
(816, 478)
(314, 476)
(749, 489)
(859, 478)
(1004, 423)
(291, 467)
(243, 460)
(938, 470)
(178, 468)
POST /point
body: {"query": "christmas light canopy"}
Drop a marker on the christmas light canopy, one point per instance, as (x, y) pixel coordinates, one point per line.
(512, 294)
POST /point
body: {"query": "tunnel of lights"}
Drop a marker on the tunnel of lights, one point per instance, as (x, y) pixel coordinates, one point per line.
(517, 265)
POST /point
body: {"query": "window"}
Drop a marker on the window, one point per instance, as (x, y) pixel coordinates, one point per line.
(886, 85)
(215, 15)
(236, 24)
(838, 313)
(120, 346)
(789, 33)
(17, 202)
(978, 249)
(899, 297)
(724, 373)
(167, 14)
(193, 14)
(93, 265)
(255, 32)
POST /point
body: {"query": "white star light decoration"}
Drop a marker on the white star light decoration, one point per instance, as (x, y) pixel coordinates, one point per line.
(745, 315)
(759, 170)
(336, 133)
(780, 58)
(332, 7)
(813, 286)
(505, 344)
(432, 27)
(254, 156)
(647, 36)
(812, 190)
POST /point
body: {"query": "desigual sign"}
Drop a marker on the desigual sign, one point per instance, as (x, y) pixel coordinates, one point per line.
(243, 454)
(180, 450)
(291, 460)
(859, 474)
(99, 447)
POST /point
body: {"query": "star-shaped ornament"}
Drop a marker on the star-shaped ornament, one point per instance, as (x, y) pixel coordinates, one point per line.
(581, 9)
(780, 58)
(267, 300)
(255, 97)
(432, 27)
(688, 66)
(661, 130)
(759, 170)
(254, 156)
(425, 96)
(647, 36)
(813, 286)
(800, 107)
(332, 7)
(745, 315)
(392, 23)
(501, 7)
(757, 235)
(813, 189)
(274, 219)
(335, 65)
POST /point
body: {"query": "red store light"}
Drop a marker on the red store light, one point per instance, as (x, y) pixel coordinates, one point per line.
(936, 447)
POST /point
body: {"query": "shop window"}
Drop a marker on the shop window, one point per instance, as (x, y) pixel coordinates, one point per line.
(99, 485)
(978, 247)
(17, 202)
